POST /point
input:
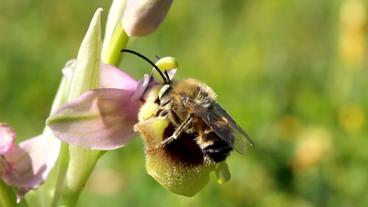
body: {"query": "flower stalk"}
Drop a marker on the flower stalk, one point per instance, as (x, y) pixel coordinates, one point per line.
(77, 175)
(118, 41)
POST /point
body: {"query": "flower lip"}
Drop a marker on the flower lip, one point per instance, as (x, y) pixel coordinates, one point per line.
(179, 167)
(184, 149)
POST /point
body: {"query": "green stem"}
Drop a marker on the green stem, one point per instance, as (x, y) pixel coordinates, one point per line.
(118, 42)
(62, 167)
(7, 195)
(81, 167)
(63, 161)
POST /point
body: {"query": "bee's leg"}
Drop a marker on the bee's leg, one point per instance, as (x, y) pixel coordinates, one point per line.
(174, 118)
(171, 114)
(178, 131)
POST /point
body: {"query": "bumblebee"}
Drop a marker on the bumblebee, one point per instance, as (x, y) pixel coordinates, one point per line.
(192, 109)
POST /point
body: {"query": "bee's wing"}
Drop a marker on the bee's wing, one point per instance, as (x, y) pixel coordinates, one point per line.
(215, 118)
(240, 141)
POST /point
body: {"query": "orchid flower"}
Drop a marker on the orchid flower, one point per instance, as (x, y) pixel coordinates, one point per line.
(106, 118)
(26, 166)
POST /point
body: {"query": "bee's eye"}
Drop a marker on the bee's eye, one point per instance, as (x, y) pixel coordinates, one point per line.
(163, 90)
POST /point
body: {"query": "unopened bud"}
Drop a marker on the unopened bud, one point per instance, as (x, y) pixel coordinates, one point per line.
(142, 17)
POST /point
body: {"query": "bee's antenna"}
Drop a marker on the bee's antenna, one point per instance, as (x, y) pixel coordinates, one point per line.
(167, 75)
(166, 80)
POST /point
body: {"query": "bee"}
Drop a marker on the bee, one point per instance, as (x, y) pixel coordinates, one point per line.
(191, 107)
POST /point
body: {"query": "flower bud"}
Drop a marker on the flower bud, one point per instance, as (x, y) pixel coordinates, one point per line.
(142, 17)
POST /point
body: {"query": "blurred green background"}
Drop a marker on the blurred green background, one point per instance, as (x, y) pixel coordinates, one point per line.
(292, 73)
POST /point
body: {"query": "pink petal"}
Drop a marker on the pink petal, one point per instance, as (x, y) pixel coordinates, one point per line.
(7, 138)
(143, 85)
(112, 77)
(101, 119)
(26, 166)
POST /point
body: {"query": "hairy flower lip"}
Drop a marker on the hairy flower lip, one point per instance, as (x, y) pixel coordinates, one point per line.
(180, 176)
(184, 149)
